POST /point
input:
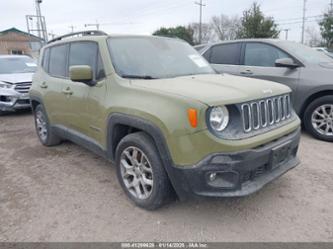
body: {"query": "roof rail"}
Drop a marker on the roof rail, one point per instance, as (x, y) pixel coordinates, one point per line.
(81, 33)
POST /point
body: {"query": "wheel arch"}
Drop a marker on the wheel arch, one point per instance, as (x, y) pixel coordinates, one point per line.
(120, 125)
(35, 101)
(312, 98)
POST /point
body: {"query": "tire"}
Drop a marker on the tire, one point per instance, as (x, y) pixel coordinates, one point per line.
(318, 118)
(147, 168)
(43, 129)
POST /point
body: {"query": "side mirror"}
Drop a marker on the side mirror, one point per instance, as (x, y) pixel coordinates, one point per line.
(81, 73)
(286, 62)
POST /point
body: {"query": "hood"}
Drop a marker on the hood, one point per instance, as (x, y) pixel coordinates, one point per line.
(16, 77)
(215, 89)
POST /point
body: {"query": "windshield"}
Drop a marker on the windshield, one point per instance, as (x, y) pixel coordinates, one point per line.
(12, 65)
(306, 53)
(155, 57)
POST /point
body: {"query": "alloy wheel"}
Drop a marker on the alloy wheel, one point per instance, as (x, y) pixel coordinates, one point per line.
(41, 126)
(322, 119)
(136, 172)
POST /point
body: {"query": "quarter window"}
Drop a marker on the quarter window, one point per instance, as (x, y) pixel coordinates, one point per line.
(100, 72)
(226, 54)
(262, 55)
(58, 61)
(46, 59)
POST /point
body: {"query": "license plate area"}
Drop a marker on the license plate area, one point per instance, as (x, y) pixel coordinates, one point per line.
(280, 155)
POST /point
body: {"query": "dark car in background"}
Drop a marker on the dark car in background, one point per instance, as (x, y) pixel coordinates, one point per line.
(306, 71)
(15, 81)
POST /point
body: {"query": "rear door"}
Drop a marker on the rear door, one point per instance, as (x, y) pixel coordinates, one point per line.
(225, 58)
(55, 65)
(258, 61)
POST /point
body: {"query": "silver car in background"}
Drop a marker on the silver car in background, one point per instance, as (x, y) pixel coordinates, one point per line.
(15, 81)
(324, 51)
(307, 72)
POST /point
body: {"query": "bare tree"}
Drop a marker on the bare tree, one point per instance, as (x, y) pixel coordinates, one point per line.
(207, 33)
(313, 37)
(225, 27)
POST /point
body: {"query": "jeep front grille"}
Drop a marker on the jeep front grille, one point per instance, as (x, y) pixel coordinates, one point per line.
(264, 113)
(23, 87)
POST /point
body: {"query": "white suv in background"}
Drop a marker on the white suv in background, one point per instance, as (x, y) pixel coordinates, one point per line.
(15, 81)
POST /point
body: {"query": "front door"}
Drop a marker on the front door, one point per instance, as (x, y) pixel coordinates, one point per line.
(85, 101)
(259, 62)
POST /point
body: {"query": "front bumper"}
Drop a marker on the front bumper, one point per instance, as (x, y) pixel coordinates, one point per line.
(11, 100)
(237, 174)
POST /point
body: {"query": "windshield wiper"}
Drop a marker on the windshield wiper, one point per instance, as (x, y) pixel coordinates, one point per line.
(144, 77)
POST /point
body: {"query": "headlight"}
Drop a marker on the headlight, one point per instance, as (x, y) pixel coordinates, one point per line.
(219, 118)
(6, 85)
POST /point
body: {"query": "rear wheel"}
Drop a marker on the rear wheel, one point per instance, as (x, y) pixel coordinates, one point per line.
(45, 134)
(318, 118)
(141, 173)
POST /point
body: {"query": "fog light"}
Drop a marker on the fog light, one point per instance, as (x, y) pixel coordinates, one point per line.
(223, 179)
(212, 177)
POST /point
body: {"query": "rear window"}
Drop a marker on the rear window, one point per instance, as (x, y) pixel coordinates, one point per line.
(226, 54)
(58, 61)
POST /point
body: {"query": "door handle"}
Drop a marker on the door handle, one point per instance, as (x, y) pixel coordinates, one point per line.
(43, 85)
(246, 72)
(67, 91)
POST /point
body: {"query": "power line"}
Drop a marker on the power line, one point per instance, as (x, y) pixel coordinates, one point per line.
(153, 11)
(298, 22)
(298, 18)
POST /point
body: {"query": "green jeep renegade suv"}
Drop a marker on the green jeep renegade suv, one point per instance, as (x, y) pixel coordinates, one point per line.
(156, 110)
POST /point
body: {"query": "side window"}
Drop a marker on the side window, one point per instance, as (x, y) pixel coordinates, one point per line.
(46, 59)
(226, 54)
(207, 54)
(58, 61)
(84, 53)
(262, 55)
(100, 72)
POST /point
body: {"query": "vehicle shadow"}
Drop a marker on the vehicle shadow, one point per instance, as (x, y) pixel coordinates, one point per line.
(23, 112)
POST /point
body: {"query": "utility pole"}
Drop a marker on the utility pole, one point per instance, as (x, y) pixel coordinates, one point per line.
(72, 28)
(286, 30)
(53, 35)
(304, 19)
(200, 19)
(331, 8)
(92, 24)
(41, 25)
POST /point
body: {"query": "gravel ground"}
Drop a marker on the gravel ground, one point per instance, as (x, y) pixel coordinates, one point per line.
(66, 193)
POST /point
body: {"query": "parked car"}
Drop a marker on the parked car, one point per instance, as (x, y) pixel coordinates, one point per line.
(324, 50)
(307, 72)
(15, 81)
(158, 111)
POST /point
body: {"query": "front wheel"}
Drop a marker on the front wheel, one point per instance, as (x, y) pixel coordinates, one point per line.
(141, 173)
(45, 134)
(318, 118)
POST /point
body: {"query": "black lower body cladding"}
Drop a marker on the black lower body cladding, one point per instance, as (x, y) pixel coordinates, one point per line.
(237, 174)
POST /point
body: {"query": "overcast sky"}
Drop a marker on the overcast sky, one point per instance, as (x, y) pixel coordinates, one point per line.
(145, 16)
